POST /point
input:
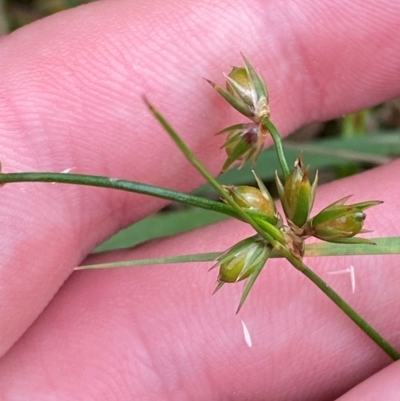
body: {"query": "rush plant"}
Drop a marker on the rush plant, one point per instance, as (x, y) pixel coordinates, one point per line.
(338, 224)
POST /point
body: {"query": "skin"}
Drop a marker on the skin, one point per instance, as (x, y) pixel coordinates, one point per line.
(71, 89)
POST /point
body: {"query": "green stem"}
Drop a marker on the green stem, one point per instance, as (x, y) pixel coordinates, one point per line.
(266, 123)
(352, 314)
(124, 185)
(342, 304)
(311, 250)
(198, 257)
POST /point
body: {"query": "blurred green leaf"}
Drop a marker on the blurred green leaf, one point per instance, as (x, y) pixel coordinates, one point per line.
(355, 124)
(161, 225)
(376, 149)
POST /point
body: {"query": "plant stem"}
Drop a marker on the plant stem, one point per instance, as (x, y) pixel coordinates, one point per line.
(197, 257)
(311, 250)
(124, 185)
(343, 305)
(266, 123)
(352, 314)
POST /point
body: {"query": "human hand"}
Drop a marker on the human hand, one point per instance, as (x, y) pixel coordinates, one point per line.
(71, 87)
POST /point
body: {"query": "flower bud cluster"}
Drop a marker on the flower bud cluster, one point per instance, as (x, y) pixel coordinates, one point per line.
(338, 223)
(247, 92)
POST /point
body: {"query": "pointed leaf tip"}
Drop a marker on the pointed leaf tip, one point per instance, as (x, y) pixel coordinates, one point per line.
(219, 285)
(213, 84)
(252, 279)
(147, 102)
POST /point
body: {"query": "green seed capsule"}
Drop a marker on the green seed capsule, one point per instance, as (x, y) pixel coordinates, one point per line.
(258, 200)
(240, 261)
(246, 91)
(238, 85)
(241, 144)
(297, 194)
(244, 260)
(339, 222)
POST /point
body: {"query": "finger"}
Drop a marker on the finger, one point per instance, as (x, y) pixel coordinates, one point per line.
(384, 385)
(74, 101)
(158, 331)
